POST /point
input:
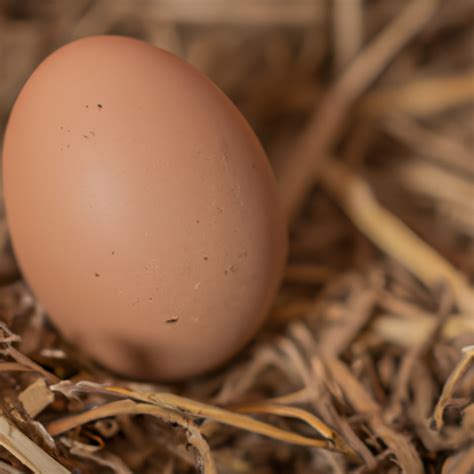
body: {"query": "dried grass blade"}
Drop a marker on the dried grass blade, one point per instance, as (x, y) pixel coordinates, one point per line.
(173, 403)
(127, 407)
(392, 235)
(336, 338)
(286, 411)
(407, 332)
(423, 97)
(299, 414)
(348, 18)
(226, 417)
(363, 403)
(431, 180)
(298, 13)
(310, 150)
(300, 396)
(461, 462)
(442, 150)
(27, 362)
(14, 367)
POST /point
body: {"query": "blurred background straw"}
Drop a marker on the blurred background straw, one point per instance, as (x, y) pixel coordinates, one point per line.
(366, 110)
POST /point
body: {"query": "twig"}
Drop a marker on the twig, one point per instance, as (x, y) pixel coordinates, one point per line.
(299, 170)
(448, 389)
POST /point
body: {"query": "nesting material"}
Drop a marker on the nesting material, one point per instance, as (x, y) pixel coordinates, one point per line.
(365, 362)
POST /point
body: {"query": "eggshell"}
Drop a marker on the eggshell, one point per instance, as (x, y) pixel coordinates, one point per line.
(142, 208)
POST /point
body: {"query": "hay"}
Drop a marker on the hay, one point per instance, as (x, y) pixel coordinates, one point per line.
(365, 364)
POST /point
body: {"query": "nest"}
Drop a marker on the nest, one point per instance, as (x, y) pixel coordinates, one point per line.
(365, 363)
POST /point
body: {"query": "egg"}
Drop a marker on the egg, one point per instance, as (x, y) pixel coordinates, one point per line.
(142, 208)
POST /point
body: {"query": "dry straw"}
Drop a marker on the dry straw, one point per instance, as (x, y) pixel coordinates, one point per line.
(365, 364)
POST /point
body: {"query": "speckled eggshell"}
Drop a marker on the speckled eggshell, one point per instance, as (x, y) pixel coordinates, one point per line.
(143, 210)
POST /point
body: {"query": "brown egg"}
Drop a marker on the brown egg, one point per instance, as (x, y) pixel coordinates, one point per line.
(142, 208)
